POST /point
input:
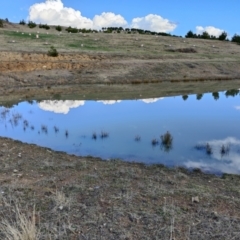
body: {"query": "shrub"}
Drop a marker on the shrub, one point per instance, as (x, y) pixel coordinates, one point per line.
(32, 24)
(59, 28)
(1, 23)
(52, 52)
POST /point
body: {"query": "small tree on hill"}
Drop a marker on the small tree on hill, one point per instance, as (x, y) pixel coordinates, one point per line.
(59, 28)
(189, 34)
(1, 23)
(22, 22)
(32, 24)
(205, 35)
(223, 36)
(44, 26)
(236, 38)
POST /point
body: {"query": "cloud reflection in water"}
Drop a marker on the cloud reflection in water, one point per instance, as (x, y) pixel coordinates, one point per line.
(151, 100)
(227, 163)
(59, 106)
(109, 102)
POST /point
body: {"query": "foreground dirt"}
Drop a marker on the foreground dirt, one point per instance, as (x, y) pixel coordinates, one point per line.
(87, 198)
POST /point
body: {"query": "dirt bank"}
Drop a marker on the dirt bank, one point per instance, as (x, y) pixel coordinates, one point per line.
(110, 59)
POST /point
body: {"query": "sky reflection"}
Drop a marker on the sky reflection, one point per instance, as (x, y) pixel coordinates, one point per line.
(77, 127)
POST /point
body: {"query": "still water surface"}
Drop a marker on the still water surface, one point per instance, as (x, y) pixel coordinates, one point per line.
(193, 120)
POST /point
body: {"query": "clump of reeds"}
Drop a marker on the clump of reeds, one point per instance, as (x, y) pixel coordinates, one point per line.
(66, 133)
(200, 146)
(206, 147)
(44, 129)
(94, 136)
(137, 138)
(155, 142)
(104, 134)
(4, 113)
(16, 117)
(167, 139)
(224, 149)
(56, 129)
(25, 123)
(209, 149)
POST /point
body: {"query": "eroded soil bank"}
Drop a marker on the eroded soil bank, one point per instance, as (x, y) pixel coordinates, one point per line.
(99, 76)
(87, 198)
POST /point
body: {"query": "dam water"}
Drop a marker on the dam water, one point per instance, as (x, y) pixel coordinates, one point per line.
(204, 129)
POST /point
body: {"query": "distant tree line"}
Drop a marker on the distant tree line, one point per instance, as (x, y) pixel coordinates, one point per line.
(82, 30)
(135, 30)
(228, 93)
(190, 34)
(206, 35)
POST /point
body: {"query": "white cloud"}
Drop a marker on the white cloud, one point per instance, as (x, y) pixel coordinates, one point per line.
(237, 107)
(210, 29)
(151, 100)
(108, 19)
(59, 106)
(109, 102)
(53, 12)
(153, 22)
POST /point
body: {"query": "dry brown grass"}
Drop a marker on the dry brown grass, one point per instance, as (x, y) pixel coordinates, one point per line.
(20, 227)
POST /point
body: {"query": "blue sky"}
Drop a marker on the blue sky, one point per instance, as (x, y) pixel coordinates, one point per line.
(174, 16)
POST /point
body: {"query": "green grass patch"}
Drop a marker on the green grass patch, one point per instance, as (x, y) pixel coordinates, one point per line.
(19, 35)
(87, 46)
